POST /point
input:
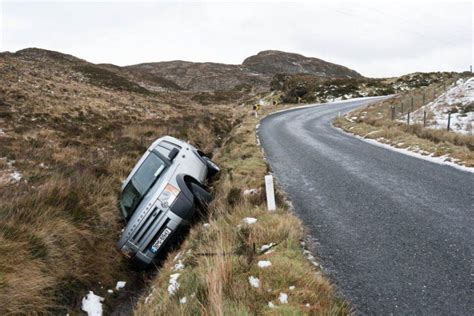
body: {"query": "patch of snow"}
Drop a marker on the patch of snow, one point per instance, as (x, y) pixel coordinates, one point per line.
(178, 266)
(16, 176)
(271, 305)
(183, 300)
(307, 305)
(2, 133)
(110, 291)
(292, 288)
(283, 298)
(458, 98)
(254, 282)
(92, 304)
(249, 220)
(264, 264)
(120, 285)
(250, 191)
(174, 284)
(206, 225)
(265, 247)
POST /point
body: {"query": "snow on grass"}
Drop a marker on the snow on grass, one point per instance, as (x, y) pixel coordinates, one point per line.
(460, 99)
(110, 291)
(249, 220)
(174, 284)
(16, 176)
(206, 225)
(250, 191)
(283, 298)
(120, 285)
(178, 266)
(271, 305)
(183, 300)
(92, 304)
(254, 282)
(266, 247)
(292, 288)
(264, 263)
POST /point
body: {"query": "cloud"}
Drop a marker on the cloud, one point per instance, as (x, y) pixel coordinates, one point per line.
(373, 38)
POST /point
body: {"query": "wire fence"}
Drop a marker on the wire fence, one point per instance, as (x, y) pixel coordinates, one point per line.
(411, 109)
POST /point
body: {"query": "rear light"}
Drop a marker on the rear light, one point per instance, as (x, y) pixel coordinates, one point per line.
(168, 195)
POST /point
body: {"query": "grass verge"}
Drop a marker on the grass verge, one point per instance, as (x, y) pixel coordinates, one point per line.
(213, 271)
(375, 122)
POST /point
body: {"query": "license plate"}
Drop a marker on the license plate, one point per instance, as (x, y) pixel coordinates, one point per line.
(160, 240)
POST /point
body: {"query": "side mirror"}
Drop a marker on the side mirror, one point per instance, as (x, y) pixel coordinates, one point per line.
(173, 153)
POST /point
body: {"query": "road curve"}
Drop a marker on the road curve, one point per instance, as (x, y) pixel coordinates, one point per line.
(395, 233)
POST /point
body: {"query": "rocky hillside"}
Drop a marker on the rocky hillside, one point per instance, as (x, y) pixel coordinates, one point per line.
(308, 88)
(256, 71)
(70, 131)
(273, 62)
(202, 76)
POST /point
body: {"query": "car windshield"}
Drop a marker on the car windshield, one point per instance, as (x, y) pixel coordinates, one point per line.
(140, 183)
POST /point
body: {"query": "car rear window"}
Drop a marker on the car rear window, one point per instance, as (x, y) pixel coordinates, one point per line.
(165, 147)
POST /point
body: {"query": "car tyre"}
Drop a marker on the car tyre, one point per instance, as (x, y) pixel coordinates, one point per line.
(212, 167)
(202, 197)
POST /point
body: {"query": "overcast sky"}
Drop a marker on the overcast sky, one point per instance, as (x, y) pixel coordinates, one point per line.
(377, 39)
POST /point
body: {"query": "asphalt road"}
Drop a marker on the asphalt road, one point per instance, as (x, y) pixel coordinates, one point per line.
(395, 233)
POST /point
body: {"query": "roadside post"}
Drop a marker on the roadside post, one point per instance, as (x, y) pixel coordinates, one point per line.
(393, 112)
(412, 103)
(402, 108)
(408, 118)
(424, 118)
(271, 205)
(449, 120)
(256, 107)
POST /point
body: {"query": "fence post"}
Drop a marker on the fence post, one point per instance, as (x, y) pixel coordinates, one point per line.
(271, 206)
(449, 120)
(424, 118)
(393, 112)
(423, 100)
(402, 108)
(408, 118)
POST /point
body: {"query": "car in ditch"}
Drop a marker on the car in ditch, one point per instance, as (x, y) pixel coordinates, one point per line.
(162, 194)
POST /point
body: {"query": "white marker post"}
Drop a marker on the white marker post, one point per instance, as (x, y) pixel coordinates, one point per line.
(270, 193)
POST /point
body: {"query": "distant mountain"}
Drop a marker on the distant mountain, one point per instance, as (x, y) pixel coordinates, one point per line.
(273, 62)
(256, 72)
(202, 76)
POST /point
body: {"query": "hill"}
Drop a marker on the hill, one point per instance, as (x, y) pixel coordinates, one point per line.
(274, 62)
(256, 71)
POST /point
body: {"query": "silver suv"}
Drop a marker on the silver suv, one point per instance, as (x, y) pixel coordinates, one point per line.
(163, 191)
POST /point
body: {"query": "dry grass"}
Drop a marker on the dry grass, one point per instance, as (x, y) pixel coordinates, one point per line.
(375, 122)
(220, 257)
(73, 143)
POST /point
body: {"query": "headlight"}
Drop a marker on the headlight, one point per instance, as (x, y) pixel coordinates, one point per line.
(168, 195)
